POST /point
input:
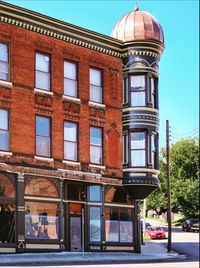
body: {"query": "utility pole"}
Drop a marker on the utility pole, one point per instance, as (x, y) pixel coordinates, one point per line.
(169, 209)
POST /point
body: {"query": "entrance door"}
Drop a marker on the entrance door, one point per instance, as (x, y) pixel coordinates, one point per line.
(76, 226)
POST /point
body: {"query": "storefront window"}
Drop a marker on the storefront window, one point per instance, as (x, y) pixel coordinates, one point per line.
(76, 192)
(7, 210)
(119, 226)
(41, 220)
(95, 224)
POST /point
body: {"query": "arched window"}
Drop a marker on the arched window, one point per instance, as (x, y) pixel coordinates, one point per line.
(7, 210)
(41, 210)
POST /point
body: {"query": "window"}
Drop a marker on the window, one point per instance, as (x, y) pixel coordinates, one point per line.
(95, 224)
(4, 62)
(119, 227)
(125, 149)
(4, 130)
(96, 145)
(41, 218)
(138, 149)
(95, 85)
(137, 90)
(70, 79)
(7, 210)
(43, 141)
(95, 193)
(153, 150)
(70, 141)
(42, 72)
(76, 192)
(153, 93)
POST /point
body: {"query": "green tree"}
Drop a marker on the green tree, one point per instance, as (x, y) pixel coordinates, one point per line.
(184, 162)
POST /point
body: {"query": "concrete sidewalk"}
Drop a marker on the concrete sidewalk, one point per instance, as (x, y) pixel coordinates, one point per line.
(151, 252)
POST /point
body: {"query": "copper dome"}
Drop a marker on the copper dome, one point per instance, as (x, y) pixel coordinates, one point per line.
(138, 25)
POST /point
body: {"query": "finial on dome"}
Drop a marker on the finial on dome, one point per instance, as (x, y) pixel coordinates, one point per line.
(136, 7)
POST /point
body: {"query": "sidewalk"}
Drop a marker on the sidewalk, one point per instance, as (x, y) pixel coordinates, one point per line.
(151, 252)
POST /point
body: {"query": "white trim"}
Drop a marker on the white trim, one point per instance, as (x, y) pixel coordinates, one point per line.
(96, 166)
(71, 98)
(151, 170)
(138, 174)
(72, 163)
(96, 203)
(119, 205)
(6, 84)
(43, 91)
(7, 250)
(5, 153)
(96, 104)
(42, 158)
(73, 201)
(43, 246)
(41, 198)
(141, 109)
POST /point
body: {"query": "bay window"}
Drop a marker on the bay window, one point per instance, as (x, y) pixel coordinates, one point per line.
(43, 140)
(137, 90)
(96, 145)
(154, 149)
(4, 62)
(70, 79)
(70, 141)
(138, 149)
(4, 130)
(42, 72)
(153, 93)
(96, 85)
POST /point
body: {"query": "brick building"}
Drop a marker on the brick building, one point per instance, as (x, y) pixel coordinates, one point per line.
(78, 131)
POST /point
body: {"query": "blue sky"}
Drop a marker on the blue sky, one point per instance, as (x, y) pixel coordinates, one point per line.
(179, 66)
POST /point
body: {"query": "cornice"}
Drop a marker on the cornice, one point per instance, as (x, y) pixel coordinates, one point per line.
(32, 21)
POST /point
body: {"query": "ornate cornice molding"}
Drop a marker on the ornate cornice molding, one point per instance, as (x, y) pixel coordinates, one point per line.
(51, 27)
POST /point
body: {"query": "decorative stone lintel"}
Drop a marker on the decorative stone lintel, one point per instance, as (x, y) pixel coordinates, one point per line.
(5, 153)
(43, 158)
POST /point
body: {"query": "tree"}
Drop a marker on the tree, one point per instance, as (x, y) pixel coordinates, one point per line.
(184, 162)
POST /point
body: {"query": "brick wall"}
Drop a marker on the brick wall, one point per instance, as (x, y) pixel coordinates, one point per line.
(24, 103)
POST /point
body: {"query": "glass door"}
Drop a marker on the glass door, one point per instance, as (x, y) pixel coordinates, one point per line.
(76, 227)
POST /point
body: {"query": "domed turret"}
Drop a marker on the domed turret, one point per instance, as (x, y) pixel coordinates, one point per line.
(138, 25)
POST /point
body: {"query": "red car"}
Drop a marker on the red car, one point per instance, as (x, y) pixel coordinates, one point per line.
(155, 232)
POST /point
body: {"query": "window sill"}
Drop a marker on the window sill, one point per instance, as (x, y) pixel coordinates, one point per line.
(96, 104)
(43, 158)
(6, 84)
(71, 98)
(5, 153)
(43, 91)
(97, 166)
(72, 163)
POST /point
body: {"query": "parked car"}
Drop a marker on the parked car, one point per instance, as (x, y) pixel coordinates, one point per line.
(191, 225)
(155, 232)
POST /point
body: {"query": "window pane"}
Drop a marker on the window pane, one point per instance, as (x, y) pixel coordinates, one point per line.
(42, 146)
(96, 93)
(112, 225)
(42, 62)
(7, 223)
(4, 140)
(70, 87)
(138, 140)
(96, 136)
(138, 158)
(3, 52)
(76, 192)
(3, 119)
(138, 98)
(95, 154)
(95, 224)
(70, 70)
(42, 80)
(70, 150)
(41, 220)
(95, 77)
(95, 193)
(137, 82)
(126, 227)
(42, 126)
(70, 131)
